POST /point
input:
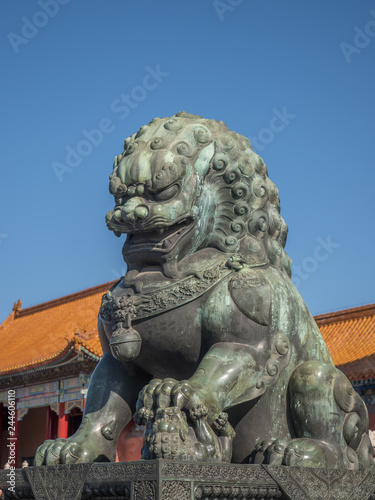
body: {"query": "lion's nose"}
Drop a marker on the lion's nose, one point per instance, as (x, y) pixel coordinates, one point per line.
(133, 213)
(141, 212)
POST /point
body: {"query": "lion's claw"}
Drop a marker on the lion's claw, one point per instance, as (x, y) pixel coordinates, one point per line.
(271, 452)
(160, 394)
(49, 452)
(143, 415)
(73, 453)
(40, 454)
(182, 393)
(53, 455)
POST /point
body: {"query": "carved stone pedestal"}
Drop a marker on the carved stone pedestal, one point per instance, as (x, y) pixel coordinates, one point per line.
(169, 480)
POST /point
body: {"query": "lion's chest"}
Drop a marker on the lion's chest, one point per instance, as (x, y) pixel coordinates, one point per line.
(171, 341)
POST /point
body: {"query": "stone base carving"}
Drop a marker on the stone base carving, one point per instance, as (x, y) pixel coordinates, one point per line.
(170, 480)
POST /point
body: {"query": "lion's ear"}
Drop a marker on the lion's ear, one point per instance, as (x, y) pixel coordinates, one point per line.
(202, 164)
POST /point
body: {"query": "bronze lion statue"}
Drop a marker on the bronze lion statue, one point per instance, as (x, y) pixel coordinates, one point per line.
(206, 340)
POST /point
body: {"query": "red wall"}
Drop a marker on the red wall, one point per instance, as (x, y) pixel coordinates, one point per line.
(129, 444)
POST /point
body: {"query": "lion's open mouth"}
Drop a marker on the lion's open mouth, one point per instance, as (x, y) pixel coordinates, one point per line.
(161, 239)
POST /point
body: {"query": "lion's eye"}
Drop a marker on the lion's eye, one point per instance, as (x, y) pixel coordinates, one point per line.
(168, 193)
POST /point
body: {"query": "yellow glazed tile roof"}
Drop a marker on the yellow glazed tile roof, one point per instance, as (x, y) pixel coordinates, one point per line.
(41, 334)
(44, 333)
(350, 336)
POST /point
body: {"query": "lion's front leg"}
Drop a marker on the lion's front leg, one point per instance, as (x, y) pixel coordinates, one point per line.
(109, 407)
(226, 376)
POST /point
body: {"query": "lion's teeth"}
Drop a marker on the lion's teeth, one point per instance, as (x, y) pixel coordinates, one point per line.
(160, 230)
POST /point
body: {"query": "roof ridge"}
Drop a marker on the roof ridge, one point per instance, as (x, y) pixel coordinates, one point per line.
(7, 321)
(345, 314)
(65, 299)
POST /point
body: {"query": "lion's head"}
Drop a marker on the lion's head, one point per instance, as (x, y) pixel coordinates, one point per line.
(185, 183)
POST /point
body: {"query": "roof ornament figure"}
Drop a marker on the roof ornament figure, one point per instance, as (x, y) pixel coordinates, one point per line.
(17, 307)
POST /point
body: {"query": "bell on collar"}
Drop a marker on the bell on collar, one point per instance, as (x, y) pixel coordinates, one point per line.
(125, 344)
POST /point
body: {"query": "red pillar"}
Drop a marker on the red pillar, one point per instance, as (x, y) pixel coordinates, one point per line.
(49, 423)
(62, 429)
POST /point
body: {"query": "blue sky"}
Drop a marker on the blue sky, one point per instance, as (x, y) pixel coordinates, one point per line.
(297, 78)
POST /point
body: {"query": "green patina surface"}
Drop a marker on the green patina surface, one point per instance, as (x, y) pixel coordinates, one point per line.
(207, 325)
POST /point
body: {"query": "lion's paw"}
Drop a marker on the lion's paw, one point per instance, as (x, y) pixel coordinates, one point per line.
(198, 412)
(270, 452)
(222, 426)
(302, 452)
(64, 451)
(166, 393)
(156, 394)
(48, 453)
(220, 423)
(306, 452)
